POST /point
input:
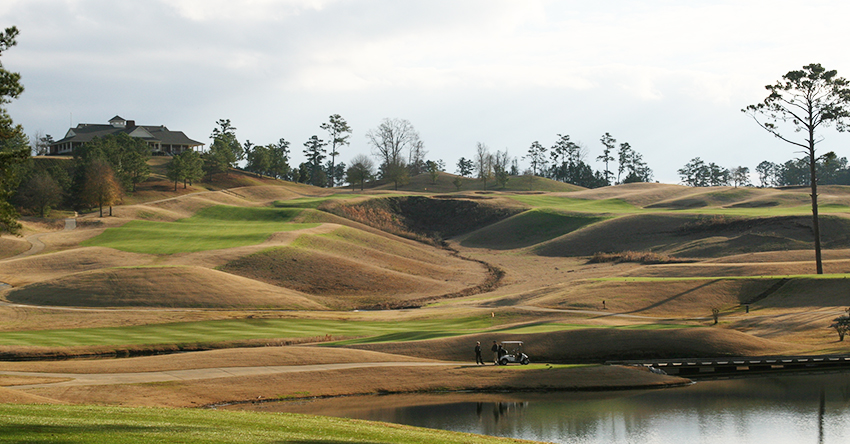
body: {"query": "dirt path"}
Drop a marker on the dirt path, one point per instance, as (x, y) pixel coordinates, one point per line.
(79, 379)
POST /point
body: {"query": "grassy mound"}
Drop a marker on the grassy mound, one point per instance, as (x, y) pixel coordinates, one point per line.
(595, 345)
(210, 229)
(811, 292)
(697, 236)
(709, 197)
(657, 296)
(528, 228)
(159, 287)
(362, 269)
(44, 267)
(320, 274)
(638, 194)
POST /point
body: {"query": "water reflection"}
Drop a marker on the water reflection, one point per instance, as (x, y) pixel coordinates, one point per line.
(778, 409)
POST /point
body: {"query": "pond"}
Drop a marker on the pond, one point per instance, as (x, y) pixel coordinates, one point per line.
(776, 409)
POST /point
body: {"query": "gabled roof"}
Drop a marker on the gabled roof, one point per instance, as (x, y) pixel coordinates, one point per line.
(85, 132)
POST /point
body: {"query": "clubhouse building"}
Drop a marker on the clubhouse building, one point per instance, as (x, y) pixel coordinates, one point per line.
(161, 140)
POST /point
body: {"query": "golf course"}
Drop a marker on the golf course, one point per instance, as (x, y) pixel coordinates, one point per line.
(137, 327)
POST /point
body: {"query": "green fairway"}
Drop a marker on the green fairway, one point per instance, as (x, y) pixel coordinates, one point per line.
(208, 332)
(234, 330)
(720, 278)
(549, 327)
(621, 207)
(210, 229)
(111, 425)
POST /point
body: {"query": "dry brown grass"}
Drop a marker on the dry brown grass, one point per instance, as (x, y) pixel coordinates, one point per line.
(642, 257)
(597, 345)
(11, 396)
(358, 381)
(638, 194)
(44, 267)
(11, 246)
(696, 236)
(159, 287)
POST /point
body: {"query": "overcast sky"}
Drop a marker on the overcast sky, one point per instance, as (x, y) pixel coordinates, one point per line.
(668, 77)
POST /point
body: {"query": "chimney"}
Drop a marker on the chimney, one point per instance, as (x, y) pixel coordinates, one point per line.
(131, 124)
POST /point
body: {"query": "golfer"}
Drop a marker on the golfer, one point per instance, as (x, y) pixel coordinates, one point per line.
(478, 358)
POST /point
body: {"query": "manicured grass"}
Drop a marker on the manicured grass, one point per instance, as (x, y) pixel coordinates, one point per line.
(246, 329)
(120, 425)
(619, 206)
(533, 366)
(721, 278)
(210, 229)
(208, 332)
(556, 326)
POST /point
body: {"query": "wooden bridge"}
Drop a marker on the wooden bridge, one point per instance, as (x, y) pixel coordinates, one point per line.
(708, 367)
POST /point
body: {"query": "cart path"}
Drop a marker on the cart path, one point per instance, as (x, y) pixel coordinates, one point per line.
(88, 379)
(37, 246)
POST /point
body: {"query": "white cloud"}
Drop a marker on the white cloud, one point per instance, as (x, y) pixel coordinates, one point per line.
(502, 71)
(244, 10)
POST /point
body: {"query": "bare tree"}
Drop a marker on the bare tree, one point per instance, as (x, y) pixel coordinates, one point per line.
(390, 139)
(483, 163)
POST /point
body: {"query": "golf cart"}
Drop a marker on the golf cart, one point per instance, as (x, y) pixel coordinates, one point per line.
(512, 352)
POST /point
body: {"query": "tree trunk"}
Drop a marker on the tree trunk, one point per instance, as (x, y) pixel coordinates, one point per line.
(815, 223)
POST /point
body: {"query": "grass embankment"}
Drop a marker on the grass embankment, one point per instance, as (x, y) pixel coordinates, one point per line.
(528, 228)
(688, 235)
(209, 229)
(89, 424)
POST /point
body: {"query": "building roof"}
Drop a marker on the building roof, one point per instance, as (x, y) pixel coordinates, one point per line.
(85, 132)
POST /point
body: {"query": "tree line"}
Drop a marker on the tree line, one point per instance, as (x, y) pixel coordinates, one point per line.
(829, 170)
(564, 161)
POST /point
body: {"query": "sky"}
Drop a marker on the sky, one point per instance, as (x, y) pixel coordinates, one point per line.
(668, 77)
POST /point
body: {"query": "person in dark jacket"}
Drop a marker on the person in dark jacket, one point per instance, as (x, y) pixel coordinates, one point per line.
(495, 350)
(478, 358)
